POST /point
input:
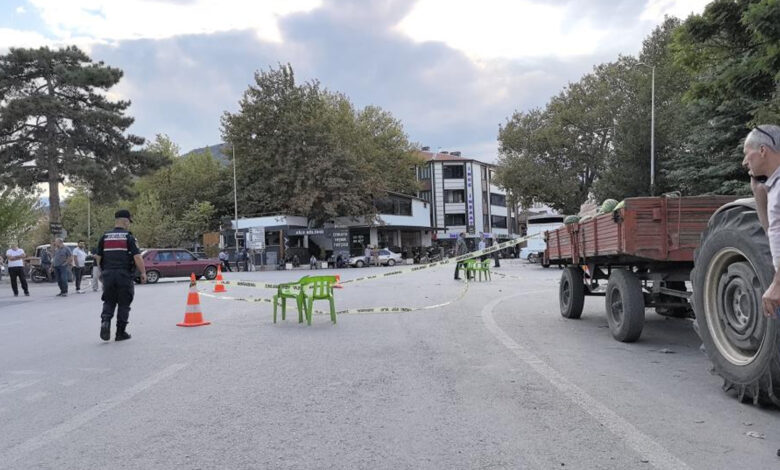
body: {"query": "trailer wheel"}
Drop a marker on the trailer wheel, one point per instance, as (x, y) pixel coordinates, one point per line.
(571, 294)
(732, 269)
(625, 306)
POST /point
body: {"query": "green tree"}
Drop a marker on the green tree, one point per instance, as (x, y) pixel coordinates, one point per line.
(732, 51)
(556, 155)
(306, 151)
(57, 125)
(85, 218)
(19, 213)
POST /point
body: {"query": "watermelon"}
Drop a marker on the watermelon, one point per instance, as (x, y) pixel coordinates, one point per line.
(608, 206)
(571, 219)
(621, 204)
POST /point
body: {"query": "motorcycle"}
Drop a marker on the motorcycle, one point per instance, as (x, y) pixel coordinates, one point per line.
(38, 274)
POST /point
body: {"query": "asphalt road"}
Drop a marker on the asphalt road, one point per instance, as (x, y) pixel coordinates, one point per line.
(497, 379)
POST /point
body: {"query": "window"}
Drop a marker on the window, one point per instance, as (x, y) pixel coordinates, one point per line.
(184, 256)
(425, 196)
(164, 256)
(454, 196)
(454, 219)
(393, 205)
(497, 199)
(498, 221)
(453, 171)
(425, 172)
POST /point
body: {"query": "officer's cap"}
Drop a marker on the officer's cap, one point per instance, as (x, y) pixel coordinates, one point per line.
(123, 214)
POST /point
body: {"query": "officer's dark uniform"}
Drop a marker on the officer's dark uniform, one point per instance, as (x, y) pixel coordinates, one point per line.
(116, 250)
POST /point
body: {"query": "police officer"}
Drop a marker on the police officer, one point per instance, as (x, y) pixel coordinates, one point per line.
(118, 257)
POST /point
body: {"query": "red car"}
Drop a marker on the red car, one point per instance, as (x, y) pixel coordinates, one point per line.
(176, 262)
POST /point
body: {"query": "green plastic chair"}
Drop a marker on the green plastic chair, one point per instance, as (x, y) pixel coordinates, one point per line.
(290, 290)
(318, 288)
(470, 266)
(484, 268)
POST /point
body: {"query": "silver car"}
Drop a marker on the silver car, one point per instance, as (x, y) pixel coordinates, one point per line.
(386, 258)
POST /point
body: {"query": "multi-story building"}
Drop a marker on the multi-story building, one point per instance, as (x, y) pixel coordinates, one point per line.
(464, 197)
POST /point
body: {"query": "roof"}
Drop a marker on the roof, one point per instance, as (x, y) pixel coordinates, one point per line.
(448, 157)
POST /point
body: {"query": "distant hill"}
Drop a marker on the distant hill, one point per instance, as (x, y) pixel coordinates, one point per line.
(215, 150)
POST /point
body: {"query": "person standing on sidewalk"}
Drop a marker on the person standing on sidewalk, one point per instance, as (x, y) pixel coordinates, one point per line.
(62, 261)
(225, 259)
(79, 264)
(118, 257)
(16, 257)
(95, 281)
(460, 249)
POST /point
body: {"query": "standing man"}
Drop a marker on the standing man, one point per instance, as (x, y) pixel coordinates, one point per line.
(46, 262)
(225, 259)
(239, 258)
(95, 280)
(62, 261)
(118, 257)
(79, 263)
(762, 159)
(460, 249)
(367, 255)
(481, 247)
(16, 257)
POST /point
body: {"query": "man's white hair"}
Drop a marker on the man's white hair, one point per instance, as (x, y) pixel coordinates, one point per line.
(764, 135)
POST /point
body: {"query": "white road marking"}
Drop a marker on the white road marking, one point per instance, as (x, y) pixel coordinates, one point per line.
(12, 388)
(37, 396)
(62, 430)
(648, 449)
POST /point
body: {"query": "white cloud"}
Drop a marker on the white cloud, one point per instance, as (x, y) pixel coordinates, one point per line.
(111, 20)
(20, 10)
(655, 10)
(18, 38)
(501, 29)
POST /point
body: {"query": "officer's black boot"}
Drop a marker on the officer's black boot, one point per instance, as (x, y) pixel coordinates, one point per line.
(121, 334)
(105, 330)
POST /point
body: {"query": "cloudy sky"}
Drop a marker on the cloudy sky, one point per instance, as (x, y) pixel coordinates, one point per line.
(450, 70)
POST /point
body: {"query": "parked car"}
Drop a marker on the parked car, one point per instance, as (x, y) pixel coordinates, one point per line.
(176, 262)
(386, 258)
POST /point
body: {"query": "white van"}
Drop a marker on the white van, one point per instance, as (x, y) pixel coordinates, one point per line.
(537, 225)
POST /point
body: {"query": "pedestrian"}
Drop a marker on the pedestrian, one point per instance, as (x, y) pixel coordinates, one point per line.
(46, 262)
(245, 258)
(95, 280)
(79, 264)
(367, 255)
(375, 255)
(460, 249)
(762, 159)
(240, 259)
(15, 256)
(225, 258)
(313, 262)
(62, 262)
(118, 257)
(481, 247)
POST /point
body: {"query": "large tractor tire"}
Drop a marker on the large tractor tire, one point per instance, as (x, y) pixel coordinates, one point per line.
(733, 268)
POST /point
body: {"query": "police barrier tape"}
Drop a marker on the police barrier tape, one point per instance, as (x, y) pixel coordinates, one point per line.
(348, 311)
(397, 272)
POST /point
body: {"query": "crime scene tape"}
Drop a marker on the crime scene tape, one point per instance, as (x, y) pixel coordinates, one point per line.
(348, 311)
(400, 271)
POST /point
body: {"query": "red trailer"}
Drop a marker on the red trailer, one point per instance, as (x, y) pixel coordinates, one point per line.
(644, 251)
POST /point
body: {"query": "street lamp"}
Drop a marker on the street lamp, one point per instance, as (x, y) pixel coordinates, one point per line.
(235, 196)
(652, 128)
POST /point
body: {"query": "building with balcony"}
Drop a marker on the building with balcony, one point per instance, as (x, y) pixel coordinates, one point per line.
(464, 197)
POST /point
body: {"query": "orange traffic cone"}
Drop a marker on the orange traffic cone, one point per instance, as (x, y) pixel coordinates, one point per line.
(192, 314)
(219, 287)
(338, 285)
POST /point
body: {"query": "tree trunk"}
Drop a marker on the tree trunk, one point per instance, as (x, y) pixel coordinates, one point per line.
(53, 170)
